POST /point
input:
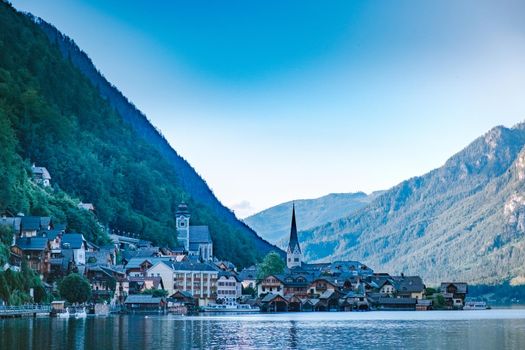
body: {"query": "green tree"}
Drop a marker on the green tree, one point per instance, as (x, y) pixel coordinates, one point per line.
(272, 264)
(75, 288)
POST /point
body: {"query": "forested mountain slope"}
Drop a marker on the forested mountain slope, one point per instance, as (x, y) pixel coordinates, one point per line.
(465, 220)
(57, 111)
(273, 223)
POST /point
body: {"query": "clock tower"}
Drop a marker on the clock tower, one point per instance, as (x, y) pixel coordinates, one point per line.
(183, 226)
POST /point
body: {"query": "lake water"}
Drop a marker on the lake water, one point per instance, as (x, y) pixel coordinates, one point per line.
(490, 329)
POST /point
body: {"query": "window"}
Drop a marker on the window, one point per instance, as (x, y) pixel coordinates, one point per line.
(296, 259)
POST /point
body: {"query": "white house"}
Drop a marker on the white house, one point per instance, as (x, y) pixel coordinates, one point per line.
(229, 287)
(77, 243)
(200, 279)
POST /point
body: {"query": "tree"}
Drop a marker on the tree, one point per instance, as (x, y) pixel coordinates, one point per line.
(272, 264)
(75, 288)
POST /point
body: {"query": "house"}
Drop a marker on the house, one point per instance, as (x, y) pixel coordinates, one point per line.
(30, 226)
(248, 277)
(321, 285)
(103, 281)
(144, 302)
(198, 278)
(297, 284)
(273, 284)
(409, 286)
(274, 303)
(77, 243)
(229, 287)
(86, 206)
(36, 251)
(196, 240)
(41, 176)
(140, 266)
(139, 284)
(454, 293)
(226, 265)
(399, 304)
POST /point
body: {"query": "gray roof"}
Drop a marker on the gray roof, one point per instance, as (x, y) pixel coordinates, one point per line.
(140, 253)
(142, 299)
(51, 234)
(410, 284)
(42, 171)
(249, 273)
(12, 222)
(75, 240)
(32, 243)
(269, 297)
(200, 234)
(30, 223)
(194, 266)
(135, 263)
(462, 287)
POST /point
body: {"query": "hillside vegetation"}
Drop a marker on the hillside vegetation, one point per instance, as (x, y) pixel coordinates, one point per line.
(273, 223)
(463, 221)
(52, 114)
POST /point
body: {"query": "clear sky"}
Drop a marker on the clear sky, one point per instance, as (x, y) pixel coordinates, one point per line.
(276, 100)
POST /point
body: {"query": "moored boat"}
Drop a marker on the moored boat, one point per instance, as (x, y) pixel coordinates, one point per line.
(476, 305)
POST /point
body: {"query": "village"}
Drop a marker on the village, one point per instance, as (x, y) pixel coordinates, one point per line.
(133, 275)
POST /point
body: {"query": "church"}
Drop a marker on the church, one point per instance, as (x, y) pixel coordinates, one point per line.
(294, 256)
(195, 240)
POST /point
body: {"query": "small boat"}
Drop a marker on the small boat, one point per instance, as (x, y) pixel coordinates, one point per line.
(476, 305)
(230, 308)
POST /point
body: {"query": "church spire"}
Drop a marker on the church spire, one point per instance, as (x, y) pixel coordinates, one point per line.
(294, 242)
(294, 256)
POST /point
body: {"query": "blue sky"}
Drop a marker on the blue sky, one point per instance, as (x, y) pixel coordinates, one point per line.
(278, 100)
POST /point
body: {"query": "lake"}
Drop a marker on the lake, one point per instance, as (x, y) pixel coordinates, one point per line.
(490, 329)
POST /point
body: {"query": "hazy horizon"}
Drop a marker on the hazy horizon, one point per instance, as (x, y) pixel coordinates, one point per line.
(280, 101)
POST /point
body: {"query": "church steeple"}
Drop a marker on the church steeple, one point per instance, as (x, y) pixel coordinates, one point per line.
(294, 256)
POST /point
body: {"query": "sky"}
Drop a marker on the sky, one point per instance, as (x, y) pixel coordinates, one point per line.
(277, 100)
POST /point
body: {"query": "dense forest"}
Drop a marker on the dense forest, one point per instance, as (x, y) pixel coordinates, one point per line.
(53, 115)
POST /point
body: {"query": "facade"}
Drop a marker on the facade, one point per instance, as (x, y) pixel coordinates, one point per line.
(41, 176)
(199, 279)
(36, 251)
(454, 293)
(248, 277)
(196, 240)
(78, 245)
(272, 284)
(229, 288)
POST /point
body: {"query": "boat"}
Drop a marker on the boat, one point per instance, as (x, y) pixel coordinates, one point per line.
(476, 305)
(230, 308)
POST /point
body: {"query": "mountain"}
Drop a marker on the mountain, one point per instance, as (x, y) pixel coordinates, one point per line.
(463, 221)
(58, 111)
(273, 224)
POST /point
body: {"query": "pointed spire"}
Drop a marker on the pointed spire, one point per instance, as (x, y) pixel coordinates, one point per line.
(294, 242)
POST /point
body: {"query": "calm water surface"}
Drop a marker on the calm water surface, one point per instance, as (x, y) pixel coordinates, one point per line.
(491, 329)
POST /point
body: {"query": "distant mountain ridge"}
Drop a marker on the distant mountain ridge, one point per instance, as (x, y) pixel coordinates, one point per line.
(463, 221)
(273, 224)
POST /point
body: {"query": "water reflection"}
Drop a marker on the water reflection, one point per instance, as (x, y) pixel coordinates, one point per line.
(499, 329)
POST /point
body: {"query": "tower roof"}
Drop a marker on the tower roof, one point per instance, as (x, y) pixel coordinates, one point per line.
(182, 209)
(294, 242)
